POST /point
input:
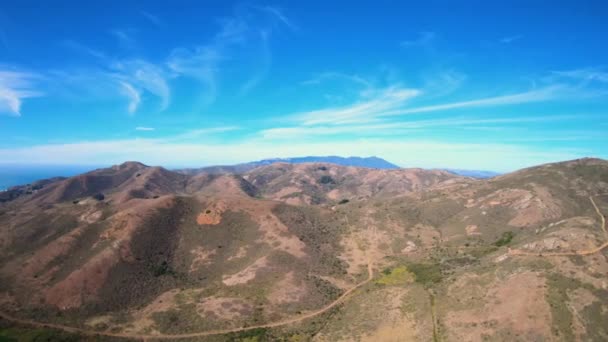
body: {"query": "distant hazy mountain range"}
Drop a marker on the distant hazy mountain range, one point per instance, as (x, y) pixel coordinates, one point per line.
(474, 173)
(367, 162)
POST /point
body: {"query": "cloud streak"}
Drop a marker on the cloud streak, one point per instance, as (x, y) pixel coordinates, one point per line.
(403, 127)
(145, 129)
(247, 32)
(15, 86)
(133, 95)
(382, 100)
(424, 38)
(138, 75)
(538, 95)
(511, 39)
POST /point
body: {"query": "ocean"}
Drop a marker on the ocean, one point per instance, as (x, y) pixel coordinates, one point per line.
(11, 175)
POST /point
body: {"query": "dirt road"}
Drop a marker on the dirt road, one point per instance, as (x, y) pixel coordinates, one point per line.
(288, 321)
(518, 252)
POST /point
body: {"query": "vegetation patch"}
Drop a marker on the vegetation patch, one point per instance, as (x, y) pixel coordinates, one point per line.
(326, 180)
(396, 277)
(321, 234)
(505, 239)
(34, 334)
(557, 297)
(426, 274)
(253, 335)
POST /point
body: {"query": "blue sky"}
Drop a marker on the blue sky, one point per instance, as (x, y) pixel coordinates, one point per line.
(467, 84)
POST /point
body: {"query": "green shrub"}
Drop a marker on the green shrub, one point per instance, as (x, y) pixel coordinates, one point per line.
(326, 180)
(505, 239)
(395, 277)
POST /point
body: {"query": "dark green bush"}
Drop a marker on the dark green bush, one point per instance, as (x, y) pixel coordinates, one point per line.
(505, 239)
(326, 180)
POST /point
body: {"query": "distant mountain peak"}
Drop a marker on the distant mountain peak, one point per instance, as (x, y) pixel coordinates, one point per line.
(372, 162)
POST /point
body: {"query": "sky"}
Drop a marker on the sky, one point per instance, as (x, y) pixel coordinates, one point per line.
(461, 84)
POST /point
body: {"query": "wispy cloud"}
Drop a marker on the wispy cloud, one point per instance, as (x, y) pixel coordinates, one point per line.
(376, 105)
(424, 38)
(152, 18)
(263, 67)
(537, 95)
(142, 128)
(15, 86)
(140, 74)
(133, 95)
(586, 75)
(401, 127)
(202, 64)
(332, 75)
(443, 83)
(83, 49)
(277, 13)
(124, 37)
(552, 91)
(511, 39)
(243, 38)
(202, 132)
(382, 100)
(247, 32)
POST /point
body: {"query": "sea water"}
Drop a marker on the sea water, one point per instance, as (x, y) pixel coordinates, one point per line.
(11, 175)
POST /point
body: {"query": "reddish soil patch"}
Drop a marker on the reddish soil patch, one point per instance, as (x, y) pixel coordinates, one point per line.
(212, 215)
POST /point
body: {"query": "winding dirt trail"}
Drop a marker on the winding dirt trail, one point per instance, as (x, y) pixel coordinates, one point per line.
(70, 329)
(518, 252)
(197, 334)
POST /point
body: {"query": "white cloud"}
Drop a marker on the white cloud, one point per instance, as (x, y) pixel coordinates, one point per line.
(78, 47)
(244, 36)
(424, 38)
(537, 95)
(201, 63)
(279, 15)
(144, 75)
(133, 95)
(124, 37)
(142, 128)
(443, 83)
(332, 75)
(381, 100)
(588, 74)
(202, 132)
(152, 18)
(15, 86)
(263, 67)
(511, 39)
(403, 127)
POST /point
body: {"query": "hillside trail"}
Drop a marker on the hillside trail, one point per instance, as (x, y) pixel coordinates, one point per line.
(144, 337)
(518, 252)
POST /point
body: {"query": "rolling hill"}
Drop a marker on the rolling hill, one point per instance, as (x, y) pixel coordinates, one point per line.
(310, 251)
